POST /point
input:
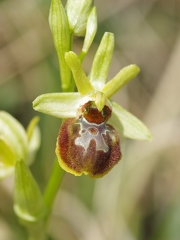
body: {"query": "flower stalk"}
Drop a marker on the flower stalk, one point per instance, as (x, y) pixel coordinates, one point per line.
(53, 187)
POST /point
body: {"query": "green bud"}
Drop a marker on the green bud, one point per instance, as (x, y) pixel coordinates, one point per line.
(13, 143)
(62, 40)
(102, 61)
(28, 200)
(78, 13)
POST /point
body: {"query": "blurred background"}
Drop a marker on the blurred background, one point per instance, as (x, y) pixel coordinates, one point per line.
(139, 198)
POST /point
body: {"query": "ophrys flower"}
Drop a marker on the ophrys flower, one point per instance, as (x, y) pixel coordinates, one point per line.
(88, 140)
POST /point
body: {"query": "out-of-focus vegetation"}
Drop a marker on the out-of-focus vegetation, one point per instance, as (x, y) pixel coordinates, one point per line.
(140, 198)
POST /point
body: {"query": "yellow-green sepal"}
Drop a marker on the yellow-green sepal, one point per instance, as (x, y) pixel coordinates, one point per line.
(128, 125)
(102, 60)
(60, 105)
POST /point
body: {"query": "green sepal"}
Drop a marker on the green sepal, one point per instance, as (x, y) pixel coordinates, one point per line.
(78, 12)
(90, 32)
(128, 125)
(28, 200)
(61, 105)
(34, 139)
(125, 75)
(62, 40)
(102, 59)
(82, 82)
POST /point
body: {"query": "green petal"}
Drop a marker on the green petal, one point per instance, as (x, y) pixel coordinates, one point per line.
(124, 76)
(90, 32)
(128, 125)
(61, 105)
(62, 39)
(102, 61)
(82, 82)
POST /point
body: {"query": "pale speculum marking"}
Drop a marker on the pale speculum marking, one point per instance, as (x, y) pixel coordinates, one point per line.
(89, 131)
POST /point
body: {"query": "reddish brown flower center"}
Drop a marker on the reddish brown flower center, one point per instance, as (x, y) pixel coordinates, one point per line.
(90, 112)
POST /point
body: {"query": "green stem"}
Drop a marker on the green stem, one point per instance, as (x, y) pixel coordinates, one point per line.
(53, 186)
(36, 231)
(82, 56)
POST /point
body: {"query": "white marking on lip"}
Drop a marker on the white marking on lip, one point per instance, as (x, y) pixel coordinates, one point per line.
(86, 136)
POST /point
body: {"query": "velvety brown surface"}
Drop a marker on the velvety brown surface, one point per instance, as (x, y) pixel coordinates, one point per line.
(80, 159)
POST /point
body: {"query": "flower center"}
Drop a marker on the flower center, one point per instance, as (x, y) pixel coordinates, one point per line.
(93, 126)
(90, 112)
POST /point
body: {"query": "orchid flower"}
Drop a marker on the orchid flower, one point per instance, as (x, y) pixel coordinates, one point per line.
(88, 140)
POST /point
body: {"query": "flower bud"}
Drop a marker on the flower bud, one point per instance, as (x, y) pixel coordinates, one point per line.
(62, 40)
(78, 13)
(15, 143)
(88, 145)
(28, 201)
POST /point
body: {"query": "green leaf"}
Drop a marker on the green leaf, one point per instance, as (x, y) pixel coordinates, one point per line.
(90, 32)
(28, 200)
(128, 125)
(124, 76)
(102, 61)
(78, 12)
(82, 82)
(62, 40)
(61, 105)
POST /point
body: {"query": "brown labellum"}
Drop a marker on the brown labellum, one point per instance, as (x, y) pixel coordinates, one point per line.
(89, 145)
